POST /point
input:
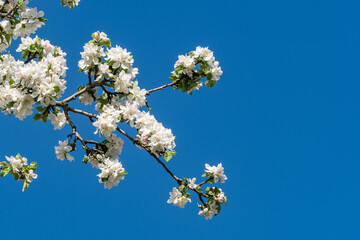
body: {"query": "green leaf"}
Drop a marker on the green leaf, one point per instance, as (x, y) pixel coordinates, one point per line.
(41, 19)
(210, 83)
(8, 38)
(3, 164)
(40, 108)
(81, 87)
(33, 165)
(20, 2)
(173, 78)
(169, 155)
(10, 104)
(32, 48)
(57, 89)
(181, 187)
(107, 43)
(26, 185)
(5, 170)
(16, 177)
(37, 117)
(199, 189)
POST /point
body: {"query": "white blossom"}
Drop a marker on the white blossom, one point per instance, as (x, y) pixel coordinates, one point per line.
(62, 151)
(107, 120)
(217, 172)
(16, 162)
(57, 120)
(177, 198)
(191, 183)
(114, 145)
(188, 63)
(209, 211)
(92, 55)
(30, 176)
(112, 172)
(119, 57)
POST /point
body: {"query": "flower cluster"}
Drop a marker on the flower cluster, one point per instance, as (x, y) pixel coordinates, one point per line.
(215, 173)
(112, 172)
(178, 199)
(180, 196)
(19, 168)
(70, 3)
(113, 68)
(22, 84)
(188, 76)
(216, 196)
(17, 20)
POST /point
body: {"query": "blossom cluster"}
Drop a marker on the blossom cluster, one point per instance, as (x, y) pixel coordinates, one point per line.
(115, 66)
(70, 3)
(180, 196)
(24, 83)
(106, 159)
(18, 20)
(108, 163)
(188, 76)
(19, 168)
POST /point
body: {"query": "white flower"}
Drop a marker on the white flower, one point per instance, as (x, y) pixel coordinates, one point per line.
(62, 151)
(209, 211)
(153, 134)
(112, 172)
(137, 96)
(205, 53)
(191, 183)
(87, 98)
(177, 198)
(221, 197)
(217, 172)
(58, 120)
(188, 63)
(16, 162)
(119, 57)
(30, 176)
(115, 146)
(123, 82)
(91, 55)
(129, 112)
(107, 120)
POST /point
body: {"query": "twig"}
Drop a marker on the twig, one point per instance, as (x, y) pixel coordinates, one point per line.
(163, 87)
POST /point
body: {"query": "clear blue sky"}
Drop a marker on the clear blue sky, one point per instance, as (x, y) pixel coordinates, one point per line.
(284, 120)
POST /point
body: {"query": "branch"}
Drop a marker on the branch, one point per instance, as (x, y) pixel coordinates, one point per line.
(163, 87)
(75, 95)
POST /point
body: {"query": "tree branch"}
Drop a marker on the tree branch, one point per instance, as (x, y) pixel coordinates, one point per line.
(163, 87)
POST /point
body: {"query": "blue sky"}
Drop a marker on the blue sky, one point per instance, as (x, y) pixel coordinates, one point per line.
(283, 120)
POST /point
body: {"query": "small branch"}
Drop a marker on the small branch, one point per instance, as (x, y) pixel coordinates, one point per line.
(75, 95)
(147, 105)
(29, 59)
(163, 87)
(89, 77)
(74, 132)
(203, 182)
(200, 197)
